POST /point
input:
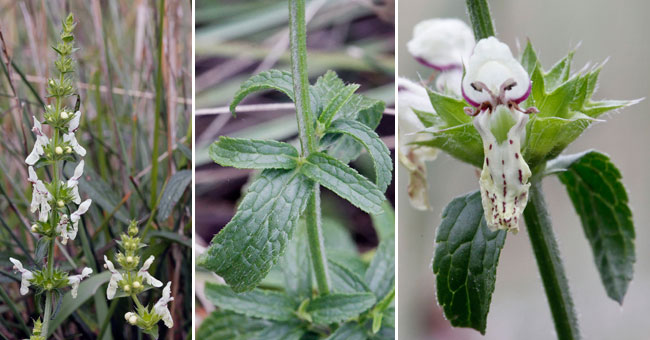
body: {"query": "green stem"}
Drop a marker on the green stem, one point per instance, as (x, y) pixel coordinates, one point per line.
(299, 71)
(316, 243)
(479, 15)
(307, 140)
(547, 254)
(48, 313)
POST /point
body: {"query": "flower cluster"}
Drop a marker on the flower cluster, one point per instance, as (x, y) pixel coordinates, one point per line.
(129, 281)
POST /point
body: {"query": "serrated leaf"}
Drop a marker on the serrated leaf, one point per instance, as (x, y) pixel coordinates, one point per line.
(461, 142)
(173, 192)
(324, 90)
(253, 153)
(344, 280)
(266, 80)
(600, 199)
(344, 181)
(265, 304)
(380, 276)
(296, 265)
(284, 331)
(248, 246)
(337, 307)
(451, 110)
(349, 331)
(376, 148)
(465, 262)
(226, 325)
(337, 103)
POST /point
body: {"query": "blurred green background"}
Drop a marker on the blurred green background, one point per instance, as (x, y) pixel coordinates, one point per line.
(519, 310)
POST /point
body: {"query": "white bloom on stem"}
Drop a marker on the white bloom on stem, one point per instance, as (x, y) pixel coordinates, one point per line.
(74, 122)
(70, 138)
(131, 318)
(26, 275)
(63, 230)
(144, 273)
(413, 96)
(441, 44)
(74, 280)
(495, 83)
(74, 180)
(40, 196)
(115, 278)
(76, 216)
(41, 141)
(161, 306)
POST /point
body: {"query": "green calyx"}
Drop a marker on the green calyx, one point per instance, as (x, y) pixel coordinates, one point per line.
(47, 281)
(565, 104)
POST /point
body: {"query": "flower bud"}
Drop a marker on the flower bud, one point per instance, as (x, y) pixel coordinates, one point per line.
(58, 150)
(60, 203)
(126, 288)
(64, 115)
(129, 259)
(133, 319)
(68, 149)
(127, 316)
(34, 228)
(136, 285)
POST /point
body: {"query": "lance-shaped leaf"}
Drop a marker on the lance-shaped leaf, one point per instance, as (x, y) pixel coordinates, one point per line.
(451, 110)
(253, 154)
(344, 181)
(173, 192)
(337, 307)
(376, 148)
(594, 185)
(257, 303)
(267, 80)
(248, 246)
(465, 262)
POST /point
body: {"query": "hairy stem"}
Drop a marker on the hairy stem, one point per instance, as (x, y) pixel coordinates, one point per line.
(307, 140)
(547, 254)
(316, 244)
(479, 15)
(299, 72)
(47, 313)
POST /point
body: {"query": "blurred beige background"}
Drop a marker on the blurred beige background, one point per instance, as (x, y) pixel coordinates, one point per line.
(615, 29)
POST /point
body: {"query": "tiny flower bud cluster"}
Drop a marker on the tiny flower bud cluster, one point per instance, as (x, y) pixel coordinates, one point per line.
(130, 280)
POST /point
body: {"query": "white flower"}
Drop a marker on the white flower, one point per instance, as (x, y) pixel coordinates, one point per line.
(115, 278)
(413, 96)
(76, 216)
(74, 180)
(161, 306)
(143, 273)
(40, 196)
(27, 276)
(74, 122)
(495, 83)
(131, 317)
(74, 280)
(41, 141)
(449, 82)
(70, 138)
(441, 43)
(63, 230)
(493, 76)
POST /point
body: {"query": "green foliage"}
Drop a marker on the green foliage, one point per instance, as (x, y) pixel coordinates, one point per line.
(600, 199)
(337, 307)
(465, 262)
(246, 249)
